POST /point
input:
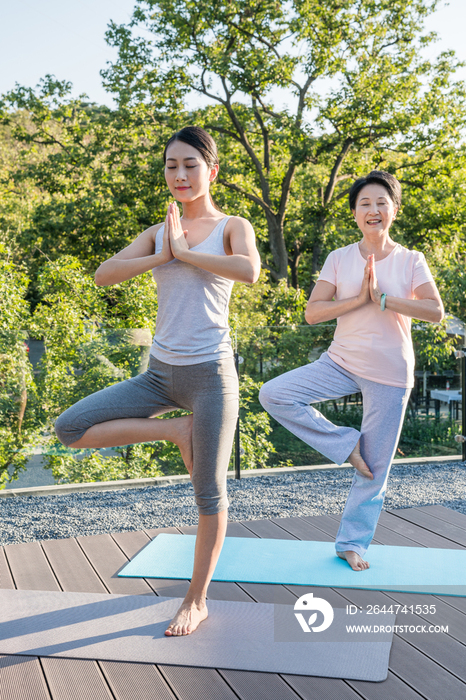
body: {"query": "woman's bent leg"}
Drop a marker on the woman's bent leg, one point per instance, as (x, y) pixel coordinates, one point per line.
(139, 397)
(384, 408)
(287, 399)
(119, 415)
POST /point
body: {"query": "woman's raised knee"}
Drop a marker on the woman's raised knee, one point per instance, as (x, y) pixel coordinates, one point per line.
(270, 394)
(66, 430)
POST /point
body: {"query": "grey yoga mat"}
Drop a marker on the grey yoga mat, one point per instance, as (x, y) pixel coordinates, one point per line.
(307, 563)
(236, 635)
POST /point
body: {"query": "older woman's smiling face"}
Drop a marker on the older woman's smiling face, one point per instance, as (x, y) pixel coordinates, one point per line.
(375, 210)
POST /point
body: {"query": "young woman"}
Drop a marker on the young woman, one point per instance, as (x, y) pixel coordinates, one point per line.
(374, 288)
(195, 260)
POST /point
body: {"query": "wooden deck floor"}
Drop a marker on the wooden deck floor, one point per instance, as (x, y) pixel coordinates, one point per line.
(428, 666)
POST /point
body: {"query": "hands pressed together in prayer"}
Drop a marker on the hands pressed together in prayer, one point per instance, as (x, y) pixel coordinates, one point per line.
(174, 237)
(370, 287)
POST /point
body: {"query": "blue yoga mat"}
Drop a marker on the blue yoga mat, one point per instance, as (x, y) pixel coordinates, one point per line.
(304, 563)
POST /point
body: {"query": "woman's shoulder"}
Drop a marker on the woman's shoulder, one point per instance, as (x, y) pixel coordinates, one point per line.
(346, 250)
(152, 231)
(237, 220)
(408, 254)
(238, 224)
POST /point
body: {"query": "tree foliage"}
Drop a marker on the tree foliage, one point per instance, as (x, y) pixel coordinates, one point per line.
(79, 181)
(386, 106)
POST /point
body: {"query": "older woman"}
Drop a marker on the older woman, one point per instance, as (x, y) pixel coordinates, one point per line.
(373, 287)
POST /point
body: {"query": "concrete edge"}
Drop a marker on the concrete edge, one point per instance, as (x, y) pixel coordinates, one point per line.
(61, 489)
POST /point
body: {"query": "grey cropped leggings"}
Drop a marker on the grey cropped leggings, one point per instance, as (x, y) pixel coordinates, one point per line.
(287, 399)
(208, 389)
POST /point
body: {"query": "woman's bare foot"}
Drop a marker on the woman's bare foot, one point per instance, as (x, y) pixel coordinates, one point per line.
(185, 441)
(354, 560)
(187, 619)
(358, 463)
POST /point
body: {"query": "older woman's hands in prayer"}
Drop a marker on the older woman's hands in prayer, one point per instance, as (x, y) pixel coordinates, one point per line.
(375, 293)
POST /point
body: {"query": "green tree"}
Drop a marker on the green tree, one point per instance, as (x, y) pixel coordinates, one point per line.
(18, 417)
(97, 173)
(385, 106)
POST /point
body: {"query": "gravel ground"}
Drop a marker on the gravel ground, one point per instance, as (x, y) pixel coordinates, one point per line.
(30, 518)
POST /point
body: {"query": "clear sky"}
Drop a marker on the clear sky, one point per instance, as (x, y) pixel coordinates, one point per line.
(66, 38)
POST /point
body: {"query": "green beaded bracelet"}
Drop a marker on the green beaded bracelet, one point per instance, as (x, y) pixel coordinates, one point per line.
(382, 301)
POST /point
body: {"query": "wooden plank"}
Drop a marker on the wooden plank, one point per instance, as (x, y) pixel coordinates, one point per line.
(332, 595)
(30, 568)
(107, 559)
(234, 529)
(131, 681)
(71, 567)
(251, 685)
(393, 688)
(384, 535)
(415, 533)
(21, 677)
(323, 522)
(449, 653)
(169, 587)
(131, 543)
(226, 590)
(154, 531)
(75, 679)
(420, 672)
(450, 516)
(443, 649)
(188, 529)
(451, 532)
(445, 614)
(237, 529)
(315, 688)
(268, 529)
(269, 593)
(454, 602)
(192, 683)
(5, 575)
(302, 529)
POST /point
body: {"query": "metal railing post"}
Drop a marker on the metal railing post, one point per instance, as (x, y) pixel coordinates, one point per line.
(461, 355)
(237, 433)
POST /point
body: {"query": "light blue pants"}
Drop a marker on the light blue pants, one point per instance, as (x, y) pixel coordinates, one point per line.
(287, 399)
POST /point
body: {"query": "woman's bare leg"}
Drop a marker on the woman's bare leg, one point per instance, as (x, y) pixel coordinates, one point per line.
(128, 431)
(209, 541)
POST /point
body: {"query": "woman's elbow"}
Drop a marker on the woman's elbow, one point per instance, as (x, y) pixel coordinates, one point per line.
(310, 317)
(98, 278)
(252, 274)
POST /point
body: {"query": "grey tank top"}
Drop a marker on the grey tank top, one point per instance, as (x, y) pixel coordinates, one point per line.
(192, 316)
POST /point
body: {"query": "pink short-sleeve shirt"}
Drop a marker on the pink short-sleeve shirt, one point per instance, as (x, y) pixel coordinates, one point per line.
(369, 342)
